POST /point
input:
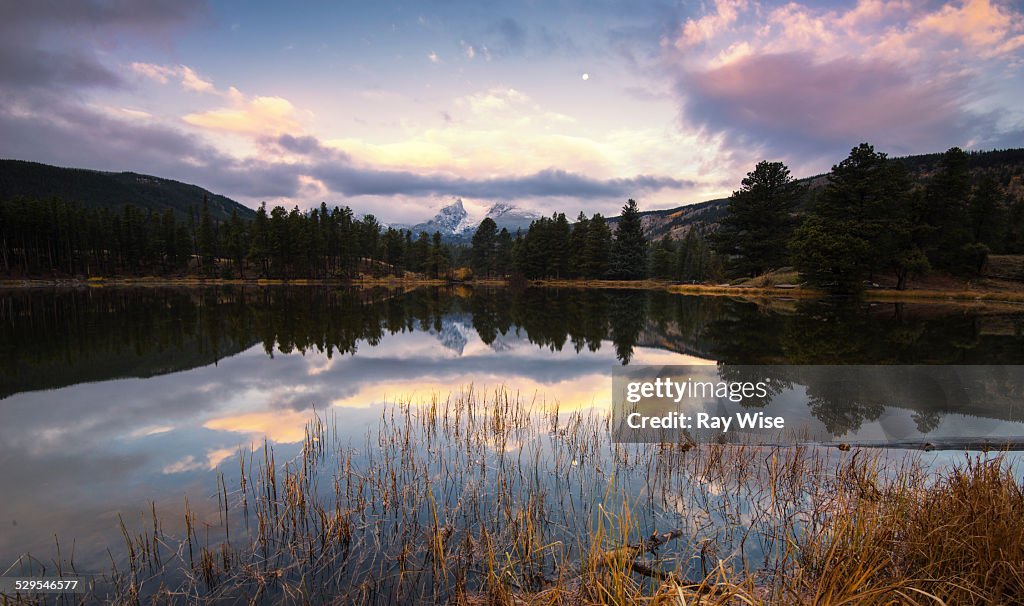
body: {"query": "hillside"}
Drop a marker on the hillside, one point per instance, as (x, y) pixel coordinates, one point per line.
(1006, 165)
(98, 189)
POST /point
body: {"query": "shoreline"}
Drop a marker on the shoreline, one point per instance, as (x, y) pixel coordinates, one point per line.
(985, 295)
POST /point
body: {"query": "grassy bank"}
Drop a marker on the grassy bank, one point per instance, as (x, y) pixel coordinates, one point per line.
(492, 500)
(983, 290)
(367, 281)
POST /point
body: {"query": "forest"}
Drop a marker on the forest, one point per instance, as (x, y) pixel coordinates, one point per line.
(870, 219)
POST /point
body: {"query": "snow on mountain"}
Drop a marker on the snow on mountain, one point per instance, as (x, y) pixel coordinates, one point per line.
(455, 221)
(454, 333)
(511, 217)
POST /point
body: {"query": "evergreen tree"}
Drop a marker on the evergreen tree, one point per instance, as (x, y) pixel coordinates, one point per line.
(439, 261)
(483, 252)
(987, 214)
(578, 246)
(663, 255)
(628, 259)
(206, 245)
(694, 258)
(558, 245)
(503, 253)
(259, 247)
(862, 223)
(394, 252)
(236, 240)
(759, 221)
(598, 248)
(947, 197)
(421, 253)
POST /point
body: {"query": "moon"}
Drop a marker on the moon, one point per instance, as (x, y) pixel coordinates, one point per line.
(586, 76)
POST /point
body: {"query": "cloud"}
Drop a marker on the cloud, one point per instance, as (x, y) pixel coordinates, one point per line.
(978, 24)
(802, 106)
(52, 44)
(493, 100)
(183, 465)
(802, 81)
(189, 79)
(552, 182)
(696, 31)
(64, 133)
(336, 170)
(305, 145)
(256, 116)
(35, 67)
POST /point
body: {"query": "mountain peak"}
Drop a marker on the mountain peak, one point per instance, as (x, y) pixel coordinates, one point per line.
(455, 207)
(499, 209)
(454, 221)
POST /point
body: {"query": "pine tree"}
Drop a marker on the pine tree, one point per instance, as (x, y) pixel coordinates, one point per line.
(503, 253)
(206, 243)
(578, 246)
(598, 248)
(558, 247)
(483, 248)
(236, 240)
(421, 253)
(862, 223)
(628, 259)
(439, 262)
(988, 217)
(694, 258)
(947, 196)
(663, 259)
(759, 221)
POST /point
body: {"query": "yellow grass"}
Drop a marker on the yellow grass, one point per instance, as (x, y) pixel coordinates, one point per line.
(446, 502)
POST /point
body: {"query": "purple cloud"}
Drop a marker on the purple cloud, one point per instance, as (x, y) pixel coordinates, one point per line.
(792, 104)
(48, 43)
(72, 135)
(352, 181)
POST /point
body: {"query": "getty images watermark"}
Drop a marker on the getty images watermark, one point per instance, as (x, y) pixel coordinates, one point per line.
(906, 406)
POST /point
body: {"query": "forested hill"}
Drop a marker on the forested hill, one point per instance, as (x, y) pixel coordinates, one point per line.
(95, 189)
(1007, 166)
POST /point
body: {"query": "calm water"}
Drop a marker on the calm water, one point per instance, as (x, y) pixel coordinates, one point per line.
(112, 398)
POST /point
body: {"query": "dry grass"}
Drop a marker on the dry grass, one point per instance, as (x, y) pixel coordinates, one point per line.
(495, 500)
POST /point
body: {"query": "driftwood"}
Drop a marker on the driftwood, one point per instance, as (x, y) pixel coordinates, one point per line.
(982, 444)
(632, 553)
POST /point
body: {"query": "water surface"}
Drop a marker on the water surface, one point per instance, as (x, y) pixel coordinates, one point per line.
(116, 400)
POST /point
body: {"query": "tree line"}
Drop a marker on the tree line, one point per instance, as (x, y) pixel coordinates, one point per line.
(870, 221)
(553, 249)
(55, 237)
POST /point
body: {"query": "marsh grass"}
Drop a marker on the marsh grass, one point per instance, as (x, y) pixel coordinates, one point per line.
(494, 499)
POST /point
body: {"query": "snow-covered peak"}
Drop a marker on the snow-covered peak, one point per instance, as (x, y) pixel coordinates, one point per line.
(455, 220)
(499, 209)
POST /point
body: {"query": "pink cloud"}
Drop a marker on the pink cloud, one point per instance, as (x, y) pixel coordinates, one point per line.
(696, 31)
(189, 79)
(979, 24)
(802, 80)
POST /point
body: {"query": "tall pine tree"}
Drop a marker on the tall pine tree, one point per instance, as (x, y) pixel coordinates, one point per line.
(759, 221)
(628, 259)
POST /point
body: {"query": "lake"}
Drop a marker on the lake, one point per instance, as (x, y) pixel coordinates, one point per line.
(120, 401)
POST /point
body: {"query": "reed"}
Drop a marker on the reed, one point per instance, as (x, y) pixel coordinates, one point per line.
(490, 498)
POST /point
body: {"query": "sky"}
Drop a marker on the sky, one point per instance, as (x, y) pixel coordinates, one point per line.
(397, 109)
